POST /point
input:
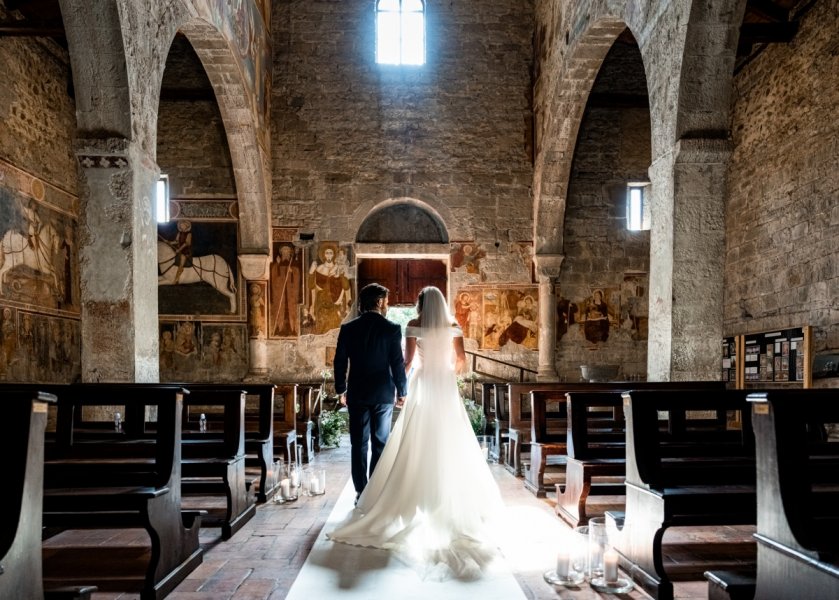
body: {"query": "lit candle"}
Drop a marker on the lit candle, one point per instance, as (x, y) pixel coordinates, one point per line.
(610, 566)
(285, 488)
(563, 562)
(295, 478)
(314, 485)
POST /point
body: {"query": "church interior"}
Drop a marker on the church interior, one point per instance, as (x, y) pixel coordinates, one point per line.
(631, 207)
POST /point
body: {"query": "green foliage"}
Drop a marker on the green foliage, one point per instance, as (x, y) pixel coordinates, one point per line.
(476, 416)
(333, 423)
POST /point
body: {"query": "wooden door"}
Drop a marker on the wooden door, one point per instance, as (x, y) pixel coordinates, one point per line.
(404, 277)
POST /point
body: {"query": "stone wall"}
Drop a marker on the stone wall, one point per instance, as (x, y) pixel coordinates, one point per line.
(601, 254)
(454, 135)
(782, 216)
(39, 284)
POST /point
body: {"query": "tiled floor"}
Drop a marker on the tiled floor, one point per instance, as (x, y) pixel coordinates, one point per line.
(262, 560)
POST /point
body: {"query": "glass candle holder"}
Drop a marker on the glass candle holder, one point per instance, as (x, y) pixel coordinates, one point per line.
(314, 482)
(485, 442)
(289, 484)
(569, 570)
(598, 543)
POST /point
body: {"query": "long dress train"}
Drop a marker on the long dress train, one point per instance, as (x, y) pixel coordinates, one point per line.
(432, 499)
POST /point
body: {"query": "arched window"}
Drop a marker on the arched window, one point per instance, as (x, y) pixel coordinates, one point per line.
(400, 32)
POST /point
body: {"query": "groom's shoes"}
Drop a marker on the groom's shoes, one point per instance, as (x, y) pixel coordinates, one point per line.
(357, 496)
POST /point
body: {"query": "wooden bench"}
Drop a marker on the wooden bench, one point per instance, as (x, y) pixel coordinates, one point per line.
(259, 429)
(692, 472)
(22, 432)
(285, 421)
(522, 428)
(494, 400)
(548, 437)
(106, 479)
(307, 396)
(596, 446)
(797, 499)
(213, 461)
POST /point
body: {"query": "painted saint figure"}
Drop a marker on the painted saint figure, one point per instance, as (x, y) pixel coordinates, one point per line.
(285, 293)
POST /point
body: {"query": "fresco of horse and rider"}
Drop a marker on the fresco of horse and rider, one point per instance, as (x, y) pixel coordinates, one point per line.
(39, 280)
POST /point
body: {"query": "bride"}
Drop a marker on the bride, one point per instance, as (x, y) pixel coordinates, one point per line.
(432, 496)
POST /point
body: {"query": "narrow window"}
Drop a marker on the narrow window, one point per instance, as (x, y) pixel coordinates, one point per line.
(637, 208)
(400, 32)
(161, 205)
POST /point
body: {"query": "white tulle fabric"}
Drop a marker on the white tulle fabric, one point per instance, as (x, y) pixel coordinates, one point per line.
(432, 499)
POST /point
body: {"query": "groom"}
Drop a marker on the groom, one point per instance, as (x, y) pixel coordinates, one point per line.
(372, 346)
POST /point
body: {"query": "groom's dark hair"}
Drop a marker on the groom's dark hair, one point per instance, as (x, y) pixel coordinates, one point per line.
(369, 296)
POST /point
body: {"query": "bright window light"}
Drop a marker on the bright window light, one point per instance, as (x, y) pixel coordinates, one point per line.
(400, 32)
(161, 205)
(637, 209)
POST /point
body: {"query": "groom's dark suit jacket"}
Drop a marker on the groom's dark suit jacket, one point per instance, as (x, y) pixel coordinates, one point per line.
(372, 346)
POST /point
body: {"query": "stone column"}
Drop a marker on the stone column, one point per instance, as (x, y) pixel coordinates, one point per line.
(118, 262)
(254, 268)
(687, 259)
(547, 271)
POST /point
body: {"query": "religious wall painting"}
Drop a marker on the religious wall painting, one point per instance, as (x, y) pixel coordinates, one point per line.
(196, 351)
(566, 314)
(634, 314)
(257, 309)
(37, 347)
(468, 311)
(600, 312)
(510, 315)
(38, 249)
(198, 268)
(330, 282)
(329, 356)
(285, 286)
(467, 256)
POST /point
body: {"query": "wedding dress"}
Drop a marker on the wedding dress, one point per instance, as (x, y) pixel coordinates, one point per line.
(432, 499)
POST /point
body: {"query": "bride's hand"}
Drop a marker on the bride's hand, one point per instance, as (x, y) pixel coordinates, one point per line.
(460, 366)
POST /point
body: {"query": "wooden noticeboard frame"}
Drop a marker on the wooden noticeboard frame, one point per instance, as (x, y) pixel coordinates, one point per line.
(777, 357)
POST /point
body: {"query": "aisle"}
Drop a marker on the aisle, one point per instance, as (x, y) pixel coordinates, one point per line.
(370, 574)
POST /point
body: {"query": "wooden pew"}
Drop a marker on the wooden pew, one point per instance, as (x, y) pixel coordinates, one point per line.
(259, 428)
(690, 472)
(285, 421)
(548, 437)
(493, 396)
(797, 498)
(307, 400)
(104, 479)
(213, 461)
(596, 445)
(22, 432)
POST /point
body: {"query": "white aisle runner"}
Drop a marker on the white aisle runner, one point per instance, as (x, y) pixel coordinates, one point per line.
(340, 570)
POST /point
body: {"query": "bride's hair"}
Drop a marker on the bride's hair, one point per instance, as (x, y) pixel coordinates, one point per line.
(433, 310)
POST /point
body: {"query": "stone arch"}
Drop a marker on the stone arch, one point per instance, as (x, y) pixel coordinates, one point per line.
(100, 74)
(707, 69)
(402, 220)
(553, 170)
(247, 156)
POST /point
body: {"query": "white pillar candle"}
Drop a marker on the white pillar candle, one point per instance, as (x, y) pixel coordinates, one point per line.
(610, 566)
(285, 488)
(314, 485)
(563, 562)
(295, 479)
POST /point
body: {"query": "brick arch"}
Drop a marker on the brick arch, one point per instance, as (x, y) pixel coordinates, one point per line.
(707, 69)
(369, 212)
(100, 73)
(241, 128)
(553, 170)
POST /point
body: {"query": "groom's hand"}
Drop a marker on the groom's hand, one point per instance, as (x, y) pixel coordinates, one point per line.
(343, 399)
(400, 401)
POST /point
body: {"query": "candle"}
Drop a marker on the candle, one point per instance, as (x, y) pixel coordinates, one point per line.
(314, 485)
(295, 479)
(610, 566)
(285, 488)
(563, 561)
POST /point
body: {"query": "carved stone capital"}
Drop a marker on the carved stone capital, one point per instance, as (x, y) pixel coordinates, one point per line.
(548, 265)
(254, 266)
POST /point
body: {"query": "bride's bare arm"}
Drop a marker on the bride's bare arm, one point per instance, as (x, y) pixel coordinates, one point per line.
(460, 355)
(410, 351)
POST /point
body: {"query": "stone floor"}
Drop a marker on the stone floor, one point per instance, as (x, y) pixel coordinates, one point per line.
(262, 560)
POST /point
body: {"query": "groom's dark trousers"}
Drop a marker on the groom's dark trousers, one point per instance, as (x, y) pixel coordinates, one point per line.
(370, 368)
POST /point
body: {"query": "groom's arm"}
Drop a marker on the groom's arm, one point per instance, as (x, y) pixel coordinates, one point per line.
(340, 362)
